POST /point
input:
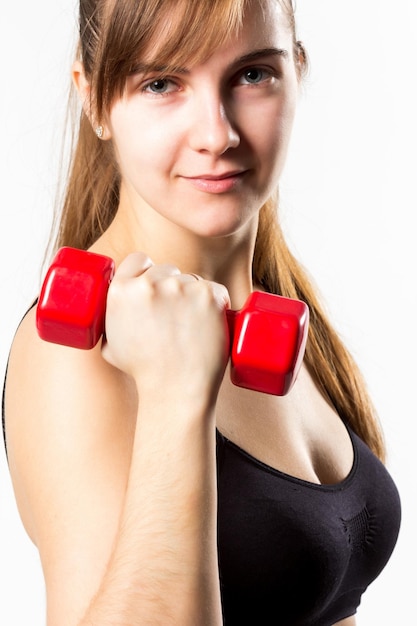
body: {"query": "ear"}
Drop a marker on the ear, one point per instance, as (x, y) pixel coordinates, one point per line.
(83, 88)
(301, 60)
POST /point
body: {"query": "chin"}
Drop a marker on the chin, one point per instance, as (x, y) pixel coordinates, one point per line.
(220, 232)
(224, 223)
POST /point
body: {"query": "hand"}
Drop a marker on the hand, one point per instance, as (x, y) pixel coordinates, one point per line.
(166, 329)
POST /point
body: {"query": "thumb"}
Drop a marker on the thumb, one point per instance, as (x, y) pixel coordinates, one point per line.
(135, 264)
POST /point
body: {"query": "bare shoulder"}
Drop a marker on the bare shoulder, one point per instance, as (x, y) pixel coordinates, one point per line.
(70, 420)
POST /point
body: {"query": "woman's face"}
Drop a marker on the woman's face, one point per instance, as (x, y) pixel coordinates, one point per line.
(203, 146)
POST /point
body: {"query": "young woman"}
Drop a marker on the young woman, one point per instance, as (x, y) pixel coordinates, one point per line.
(155, 490)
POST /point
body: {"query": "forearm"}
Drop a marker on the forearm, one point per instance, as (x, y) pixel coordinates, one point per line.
(163, 569)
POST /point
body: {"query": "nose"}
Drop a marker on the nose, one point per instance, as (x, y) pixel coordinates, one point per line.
(211, 126)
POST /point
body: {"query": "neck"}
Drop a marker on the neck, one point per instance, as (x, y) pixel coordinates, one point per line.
(226, 259)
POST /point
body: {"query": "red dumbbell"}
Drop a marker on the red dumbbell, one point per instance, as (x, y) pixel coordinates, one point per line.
(267, 336)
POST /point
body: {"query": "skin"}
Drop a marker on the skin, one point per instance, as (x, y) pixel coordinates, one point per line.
(133, 540)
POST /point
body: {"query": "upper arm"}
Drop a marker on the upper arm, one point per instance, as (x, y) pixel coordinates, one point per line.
(70, 420)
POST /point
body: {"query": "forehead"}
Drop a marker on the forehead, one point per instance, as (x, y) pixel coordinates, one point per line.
(264, 21)
(259, 23)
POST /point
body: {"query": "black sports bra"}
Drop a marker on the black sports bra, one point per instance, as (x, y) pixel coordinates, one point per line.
(293, 553)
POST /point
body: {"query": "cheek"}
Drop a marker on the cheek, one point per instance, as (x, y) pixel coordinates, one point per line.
(271, 133)
(140, 144)
(137, 153)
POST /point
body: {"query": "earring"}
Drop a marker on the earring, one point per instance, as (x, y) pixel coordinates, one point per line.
(99, 132)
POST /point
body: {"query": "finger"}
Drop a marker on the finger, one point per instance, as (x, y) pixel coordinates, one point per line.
(221, 295)
(219, 291)
(135, 264)
(161, 272)
(190, 278)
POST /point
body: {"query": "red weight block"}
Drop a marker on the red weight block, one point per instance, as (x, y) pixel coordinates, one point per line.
(268, 339)
(72, 301)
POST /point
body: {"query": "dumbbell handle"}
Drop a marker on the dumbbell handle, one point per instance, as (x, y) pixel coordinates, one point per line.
(267, 336)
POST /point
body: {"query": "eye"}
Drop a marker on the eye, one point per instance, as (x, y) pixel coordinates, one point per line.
(160, 86)
(254, 76)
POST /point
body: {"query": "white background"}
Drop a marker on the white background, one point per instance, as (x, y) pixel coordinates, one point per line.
(348, 203)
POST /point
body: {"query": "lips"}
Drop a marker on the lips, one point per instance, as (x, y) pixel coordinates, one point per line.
(217, 183)
(218, 176)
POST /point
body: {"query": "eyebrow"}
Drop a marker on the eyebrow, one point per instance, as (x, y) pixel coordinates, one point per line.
(257, 54)
(144, 68)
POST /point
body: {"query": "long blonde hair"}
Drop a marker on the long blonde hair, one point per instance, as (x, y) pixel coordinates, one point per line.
(113, 35)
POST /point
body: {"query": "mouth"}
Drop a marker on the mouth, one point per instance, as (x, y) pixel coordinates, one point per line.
(217, 183)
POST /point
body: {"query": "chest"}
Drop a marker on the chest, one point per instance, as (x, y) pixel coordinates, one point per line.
(297, 550)
(299, 434)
